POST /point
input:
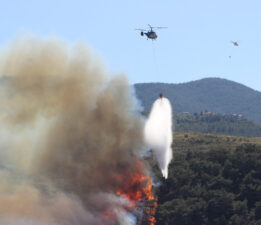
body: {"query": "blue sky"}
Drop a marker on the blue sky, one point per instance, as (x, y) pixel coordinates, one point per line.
(195, 45)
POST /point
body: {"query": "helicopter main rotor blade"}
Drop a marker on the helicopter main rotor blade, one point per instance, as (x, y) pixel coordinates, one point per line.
(151, 27)
(160, 27)
(141, 29)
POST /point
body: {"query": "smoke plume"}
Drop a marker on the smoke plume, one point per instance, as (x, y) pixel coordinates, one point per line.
(158, 133)
(67, 133)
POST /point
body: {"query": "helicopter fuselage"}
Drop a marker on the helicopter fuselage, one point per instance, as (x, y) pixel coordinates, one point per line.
(150, 34)
(235, 43)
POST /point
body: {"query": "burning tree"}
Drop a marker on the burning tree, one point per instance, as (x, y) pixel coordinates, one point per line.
(137, 189)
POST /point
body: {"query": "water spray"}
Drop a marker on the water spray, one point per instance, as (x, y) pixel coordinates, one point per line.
(158, 133)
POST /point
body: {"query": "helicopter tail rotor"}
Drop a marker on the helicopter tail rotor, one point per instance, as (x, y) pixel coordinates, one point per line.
(141, 33)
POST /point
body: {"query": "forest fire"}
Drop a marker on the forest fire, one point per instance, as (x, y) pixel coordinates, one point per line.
(73, 148)
(137, 189)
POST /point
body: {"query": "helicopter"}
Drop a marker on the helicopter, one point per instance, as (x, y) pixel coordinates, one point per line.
(235, 43)
(151, 34)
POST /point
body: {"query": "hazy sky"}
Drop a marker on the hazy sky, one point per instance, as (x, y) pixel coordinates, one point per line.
(195, 45)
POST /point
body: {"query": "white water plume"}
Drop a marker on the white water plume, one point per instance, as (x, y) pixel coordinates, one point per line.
(158, 133)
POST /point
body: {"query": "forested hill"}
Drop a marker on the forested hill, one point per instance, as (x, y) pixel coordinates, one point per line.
(208, 122)
(212, 94)
(219, 186)
(213, 180)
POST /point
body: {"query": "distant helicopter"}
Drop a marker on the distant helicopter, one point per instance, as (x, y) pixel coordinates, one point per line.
(235, 43)
(151, 34)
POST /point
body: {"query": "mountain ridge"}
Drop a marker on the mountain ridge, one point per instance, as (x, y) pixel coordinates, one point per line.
(217, 95)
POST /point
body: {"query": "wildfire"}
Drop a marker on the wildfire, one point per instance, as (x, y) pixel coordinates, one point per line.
(137, 188)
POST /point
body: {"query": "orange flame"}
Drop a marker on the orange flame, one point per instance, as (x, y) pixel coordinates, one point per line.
(137, 187)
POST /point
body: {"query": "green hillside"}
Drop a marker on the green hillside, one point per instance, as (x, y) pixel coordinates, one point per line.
(194, 141)
(212, 94)
(216, 123)
(213, 180)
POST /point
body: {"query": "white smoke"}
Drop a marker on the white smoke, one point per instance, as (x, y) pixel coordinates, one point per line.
(158, 133)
